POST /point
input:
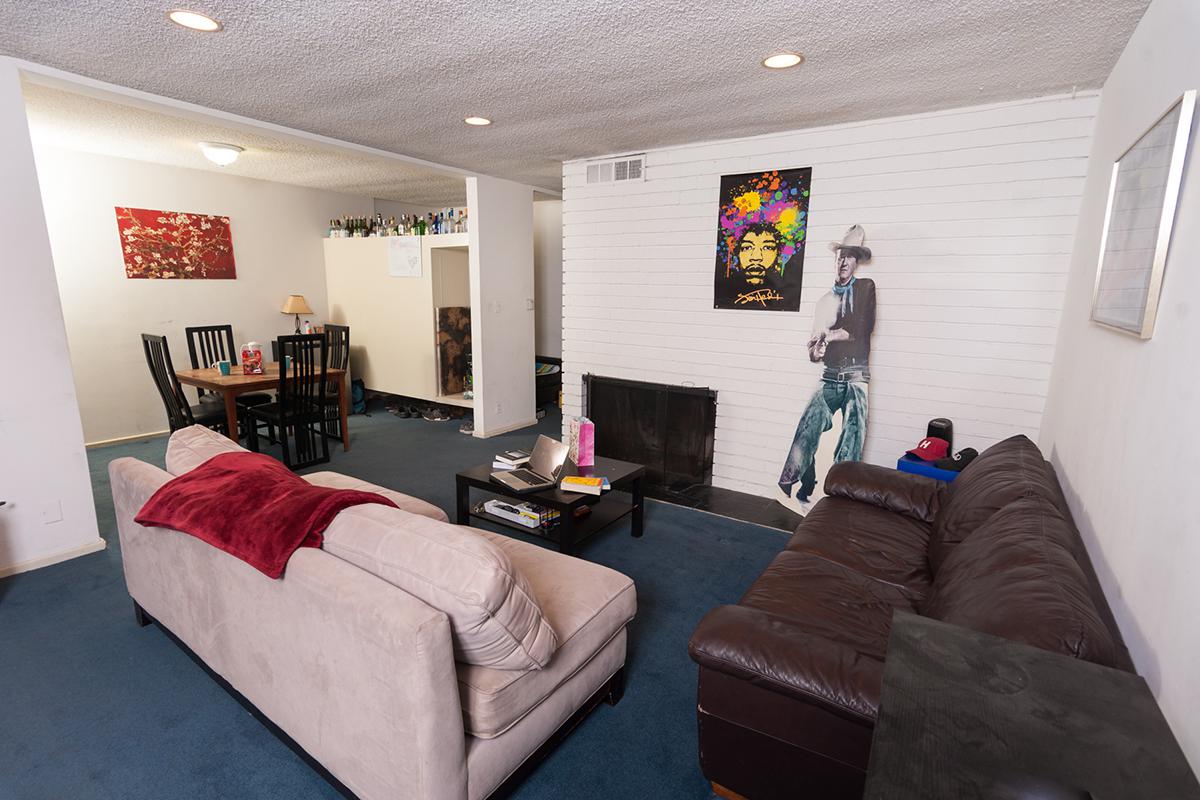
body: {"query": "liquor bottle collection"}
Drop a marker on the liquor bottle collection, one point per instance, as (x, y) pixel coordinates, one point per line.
(444, 221)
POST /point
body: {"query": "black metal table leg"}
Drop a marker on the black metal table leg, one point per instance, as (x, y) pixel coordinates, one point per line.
(463, 502)
(639, 508)
(566, 532)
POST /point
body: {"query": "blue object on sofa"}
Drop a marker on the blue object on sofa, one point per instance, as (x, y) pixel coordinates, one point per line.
(910, 463)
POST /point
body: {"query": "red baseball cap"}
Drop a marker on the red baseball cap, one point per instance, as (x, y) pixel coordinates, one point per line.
(931, 448)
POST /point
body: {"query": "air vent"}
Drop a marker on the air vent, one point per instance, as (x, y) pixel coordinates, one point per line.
(617, 170)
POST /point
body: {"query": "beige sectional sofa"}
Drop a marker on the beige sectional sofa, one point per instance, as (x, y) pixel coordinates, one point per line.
(410, 657)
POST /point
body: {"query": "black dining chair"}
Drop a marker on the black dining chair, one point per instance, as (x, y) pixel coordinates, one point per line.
(208, 344)
(299, 407)
(179, 413)
(338, 337)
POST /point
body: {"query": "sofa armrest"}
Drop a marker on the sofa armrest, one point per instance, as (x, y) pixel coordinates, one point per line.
(774, 653)
(901, 492)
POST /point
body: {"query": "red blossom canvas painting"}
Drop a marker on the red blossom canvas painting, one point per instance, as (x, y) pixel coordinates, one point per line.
(173, 244)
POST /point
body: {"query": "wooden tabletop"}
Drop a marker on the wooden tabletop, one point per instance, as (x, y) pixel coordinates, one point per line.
(211, 378)
(238, 383)
(619, 474)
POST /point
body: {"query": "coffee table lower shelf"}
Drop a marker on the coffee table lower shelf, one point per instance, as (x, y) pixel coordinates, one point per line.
(606, 510)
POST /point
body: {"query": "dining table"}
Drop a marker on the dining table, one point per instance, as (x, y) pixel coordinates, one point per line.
(236, 383)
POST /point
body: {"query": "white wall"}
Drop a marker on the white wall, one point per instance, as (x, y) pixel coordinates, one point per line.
(1121, 421)
(547, 277)
(391, 318)
(277, 233)
(44, 475)
(501, 263)
(969, 213)
(391, 208)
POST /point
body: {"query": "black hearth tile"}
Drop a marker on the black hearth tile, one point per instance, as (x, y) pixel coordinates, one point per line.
(666, 495)
(775, 515)
(729, 503)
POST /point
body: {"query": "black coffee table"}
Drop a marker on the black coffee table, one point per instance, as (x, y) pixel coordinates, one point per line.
(625, 497)
(964, 714)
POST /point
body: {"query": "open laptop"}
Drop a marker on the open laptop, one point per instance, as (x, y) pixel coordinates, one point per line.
(545, 463)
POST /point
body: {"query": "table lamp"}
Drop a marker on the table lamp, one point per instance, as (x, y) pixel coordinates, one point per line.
(296, 304)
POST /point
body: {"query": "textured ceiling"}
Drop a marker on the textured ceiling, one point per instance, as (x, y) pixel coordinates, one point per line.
(575, 78)
(60, 118)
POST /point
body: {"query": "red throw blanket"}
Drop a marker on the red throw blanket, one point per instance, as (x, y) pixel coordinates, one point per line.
(250, 506)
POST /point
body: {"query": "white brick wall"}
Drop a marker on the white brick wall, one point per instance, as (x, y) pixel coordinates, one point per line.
(970, 215)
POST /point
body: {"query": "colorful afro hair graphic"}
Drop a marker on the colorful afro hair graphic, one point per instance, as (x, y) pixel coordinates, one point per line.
(766, 199)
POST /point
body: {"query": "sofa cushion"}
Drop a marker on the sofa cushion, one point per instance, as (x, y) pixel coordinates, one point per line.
(829, 600)
(876, 542)
(494, 614)
(190, 447)
(1006, 471)
(586, 604)
(413, 505)
(1015, 577)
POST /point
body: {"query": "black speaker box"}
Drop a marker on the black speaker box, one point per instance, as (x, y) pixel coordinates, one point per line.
(941, 428)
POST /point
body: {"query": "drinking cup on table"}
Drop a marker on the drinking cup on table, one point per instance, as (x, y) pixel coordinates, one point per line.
(224, 366)
(287, 362)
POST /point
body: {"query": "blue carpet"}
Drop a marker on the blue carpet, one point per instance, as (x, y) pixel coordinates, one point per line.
(95, 707)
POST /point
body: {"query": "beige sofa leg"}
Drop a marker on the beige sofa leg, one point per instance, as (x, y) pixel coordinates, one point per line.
(616, 688)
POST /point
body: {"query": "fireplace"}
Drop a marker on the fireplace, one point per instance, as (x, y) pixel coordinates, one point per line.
(667, 428)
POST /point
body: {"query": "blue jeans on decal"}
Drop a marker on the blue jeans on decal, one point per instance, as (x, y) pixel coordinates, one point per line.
(848, 397)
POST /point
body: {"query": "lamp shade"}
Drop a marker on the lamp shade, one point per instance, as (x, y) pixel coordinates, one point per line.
(295, 304)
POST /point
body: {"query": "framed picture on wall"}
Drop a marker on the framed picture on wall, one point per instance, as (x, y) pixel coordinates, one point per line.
(1142, 197)
(175, 245)
(762, 223)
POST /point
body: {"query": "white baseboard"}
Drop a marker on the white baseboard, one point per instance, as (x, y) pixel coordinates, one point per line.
(135, 437)
(54, 558)
(505, 429)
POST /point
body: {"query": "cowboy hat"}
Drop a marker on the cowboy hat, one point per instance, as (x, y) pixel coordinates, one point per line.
(853, 241)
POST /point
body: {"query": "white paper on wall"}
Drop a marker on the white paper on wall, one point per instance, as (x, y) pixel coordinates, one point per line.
(404, 256)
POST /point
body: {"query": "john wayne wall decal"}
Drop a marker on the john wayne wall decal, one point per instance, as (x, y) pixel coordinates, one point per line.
(833, 426)
(761, 226)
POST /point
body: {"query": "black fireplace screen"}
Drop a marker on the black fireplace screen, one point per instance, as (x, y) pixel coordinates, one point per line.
(669, 429)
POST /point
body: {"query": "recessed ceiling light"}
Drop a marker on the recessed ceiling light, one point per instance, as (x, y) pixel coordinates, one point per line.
(219, 153)
(477, 121)
(783, 60)
(194, 20)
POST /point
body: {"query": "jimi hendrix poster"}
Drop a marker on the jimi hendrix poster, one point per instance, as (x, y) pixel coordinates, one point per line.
(761, 228)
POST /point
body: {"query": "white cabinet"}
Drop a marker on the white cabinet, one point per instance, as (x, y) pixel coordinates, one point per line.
(392, 319)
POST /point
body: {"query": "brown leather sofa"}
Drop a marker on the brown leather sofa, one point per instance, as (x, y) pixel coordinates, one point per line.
(790, 677)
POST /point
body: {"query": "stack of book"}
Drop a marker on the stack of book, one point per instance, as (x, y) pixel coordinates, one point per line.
(584, 485)
(510, 459)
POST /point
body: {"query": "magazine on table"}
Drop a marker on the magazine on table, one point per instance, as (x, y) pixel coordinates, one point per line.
(511, 458)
